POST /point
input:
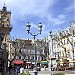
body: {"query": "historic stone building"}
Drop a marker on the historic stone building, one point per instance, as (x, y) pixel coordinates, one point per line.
(5, 27)
(62, 46)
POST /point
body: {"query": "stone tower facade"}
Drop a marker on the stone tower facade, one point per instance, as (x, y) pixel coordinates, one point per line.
(5, 27)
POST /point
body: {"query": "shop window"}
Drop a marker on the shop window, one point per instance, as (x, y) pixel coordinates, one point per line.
(33, 57)
(64, 41)
(67, 41)
(74, 44)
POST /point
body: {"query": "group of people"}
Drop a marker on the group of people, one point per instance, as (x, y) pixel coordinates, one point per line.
(17, 69)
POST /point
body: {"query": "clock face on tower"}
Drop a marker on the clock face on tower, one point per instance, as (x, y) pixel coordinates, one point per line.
(4, 18)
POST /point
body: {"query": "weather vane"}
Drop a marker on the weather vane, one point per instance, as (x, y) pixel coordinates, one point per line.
(4, 2)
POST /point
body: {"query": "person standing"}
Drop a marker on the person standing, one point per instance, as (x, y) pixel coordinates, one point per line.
(22, 70)
(17, 69)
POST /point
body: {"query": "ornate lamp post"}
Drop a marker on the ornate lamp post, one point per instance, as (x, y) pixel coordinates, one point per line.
(34, 36)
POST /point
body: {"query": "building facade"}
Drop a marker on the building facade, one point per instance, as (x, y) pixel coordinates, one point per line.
(62, 46)
(5, 27)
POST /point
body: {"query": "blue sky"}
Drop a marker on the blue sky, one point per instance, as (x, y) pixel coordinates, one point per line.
(53, 14)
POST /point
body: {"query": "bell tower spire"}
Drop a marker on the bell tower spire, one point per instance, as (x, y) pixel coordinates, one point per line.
(4, 7)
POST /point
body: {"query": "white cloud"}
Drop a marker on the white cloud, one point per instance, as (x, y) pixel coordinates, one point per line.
(33, 25)
(20, 8)
(26, 7)
(38, 8)
(60, 19)
(69, 8)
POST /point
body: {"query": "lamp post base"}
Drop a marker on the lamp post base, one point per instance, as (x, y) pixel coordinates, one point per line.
(35, 73)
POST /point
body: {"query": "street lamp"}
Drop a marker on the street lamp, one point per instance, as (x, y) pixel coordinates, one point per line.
(34, 36)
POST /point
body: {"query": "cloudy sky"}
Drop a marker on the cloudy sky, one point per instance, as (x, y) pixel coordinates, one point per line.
(53, 14)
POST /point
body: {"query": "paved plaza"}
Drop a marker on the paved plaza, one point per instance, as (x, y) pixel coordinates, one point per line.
(67, 72)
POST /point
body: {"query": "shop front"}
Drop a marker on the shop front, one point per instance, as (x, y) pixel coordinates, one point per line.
(44, 64)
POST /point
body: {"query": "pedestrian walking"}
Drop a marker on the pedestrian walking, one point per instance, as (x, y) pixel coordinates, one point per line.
(45, 68)
(17, 69)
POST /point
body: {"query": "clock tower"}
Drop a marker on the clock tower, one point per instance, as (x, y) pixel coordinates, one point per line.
(5, 27)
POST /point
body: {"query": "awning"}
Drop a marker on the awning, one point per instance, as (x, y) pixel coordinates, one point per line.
(44, 62)
(38, 61)
(53, 58)
(72, 61)
(64, 61)
(61, 62)
(18, 62)
(28, 62)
